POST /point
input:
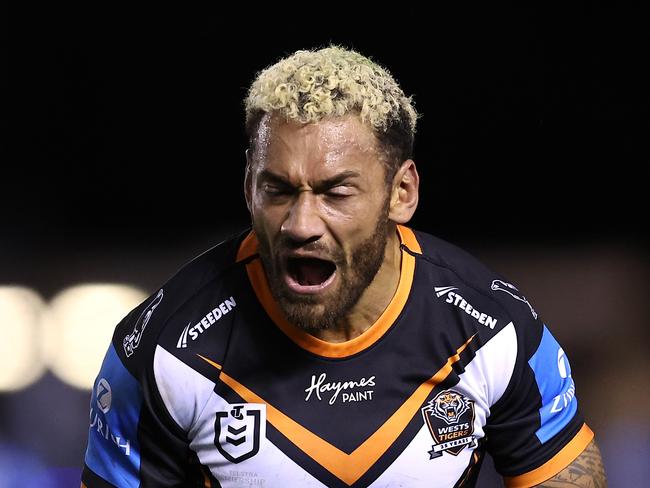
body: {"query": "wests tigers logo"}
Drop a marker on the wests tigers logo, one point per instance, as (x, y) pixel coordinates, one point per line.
(455, 431)
(450, 406)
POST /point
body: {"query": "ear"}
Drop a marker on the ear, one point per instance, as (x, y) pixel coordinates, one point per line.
(248, 180)
(404, 193)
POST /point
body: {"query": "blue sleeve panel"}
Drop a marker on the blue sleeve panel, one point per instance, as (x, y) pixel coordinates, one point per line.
(553, 376)
(113, 452)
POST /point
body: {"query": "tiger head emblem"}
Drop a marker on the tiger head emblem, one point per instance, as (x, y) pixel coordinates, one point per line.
(448, 406)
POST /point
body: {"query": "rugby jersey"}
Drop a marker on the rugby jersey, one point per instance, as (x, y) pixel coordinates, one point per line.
(207, 384)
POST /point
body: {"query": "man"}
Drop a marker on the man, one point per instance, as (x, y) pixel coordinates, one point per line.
(332, 345)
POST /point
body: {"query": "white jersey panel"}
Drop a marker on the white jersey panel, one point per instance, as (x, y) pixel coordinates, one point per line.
(482, 383)
(230, 439)
(184, 391)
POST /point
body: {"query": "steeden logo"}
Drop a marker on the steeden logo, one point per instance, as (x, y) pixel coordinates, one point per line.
(204, 324)
(457, 300)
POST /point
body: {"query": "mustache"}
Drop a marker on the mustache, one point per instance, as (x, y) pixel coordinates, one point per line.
(285, 246)
(313, 246)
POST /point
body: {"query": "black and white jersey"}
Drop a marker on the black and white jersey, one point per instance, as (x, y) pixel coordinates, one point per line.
(207, 384)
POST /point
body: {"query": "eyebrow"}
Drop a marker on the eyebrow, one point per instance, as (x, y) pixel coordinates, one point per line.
(267, 175)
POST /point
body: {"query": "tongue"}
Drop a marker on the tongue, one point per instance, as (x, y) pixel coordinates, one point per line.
(312, 271)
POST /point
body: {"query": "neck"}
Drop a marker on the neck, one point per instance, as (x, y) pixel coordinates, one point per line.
(374, 299)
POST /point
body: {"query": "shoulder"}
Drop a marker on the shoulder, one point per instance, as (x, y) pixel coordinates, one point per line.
(143, 360)
(138, 334)
(131, 416)
(466, 294)
(457, 275)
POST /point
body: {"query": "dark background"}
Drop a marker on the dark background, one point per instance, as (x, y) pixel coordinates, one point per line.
(533, 123)
(125, 157)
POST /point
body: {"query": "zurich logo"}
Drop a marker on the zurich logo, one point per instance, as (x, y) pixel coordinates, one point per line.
(104, 395)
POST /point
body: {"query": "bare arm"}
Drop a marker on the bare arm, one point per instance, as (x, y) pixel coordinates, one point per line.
(586, 471)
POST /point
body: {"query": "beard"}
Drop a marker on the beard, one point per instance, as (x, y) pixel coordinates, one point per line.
(326, 312)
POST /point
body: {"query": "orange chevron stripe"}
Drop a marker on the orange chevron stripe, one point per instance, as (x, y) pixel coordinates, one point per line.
(206, 479)
(347, 467)
(210, 362)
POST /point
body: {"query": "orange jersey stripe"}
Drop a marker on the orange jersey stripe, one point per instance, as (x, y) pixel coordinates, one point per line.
(206, 479)
(407, 236)
(247, 248)
(347, 467)
(554, 465)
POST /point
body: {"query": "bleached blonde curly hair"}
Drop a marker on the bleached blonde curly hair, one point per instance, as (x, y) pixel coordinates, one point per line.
(311, 85)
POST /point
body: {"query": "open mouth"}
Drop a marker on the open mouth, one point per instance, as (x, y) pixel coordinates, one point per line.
(307, 275)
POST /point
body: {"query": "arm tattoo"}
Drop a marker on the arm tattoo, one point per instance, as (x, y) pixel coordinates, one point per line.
(586, 471)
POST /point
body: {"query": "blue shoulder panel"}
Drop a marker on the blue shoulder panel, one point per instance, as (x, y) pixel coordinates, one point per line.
(553, 376)
(113, 452)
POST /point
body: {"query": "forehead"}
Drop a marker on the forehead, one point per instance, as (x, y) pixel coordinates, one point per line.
(331, 141)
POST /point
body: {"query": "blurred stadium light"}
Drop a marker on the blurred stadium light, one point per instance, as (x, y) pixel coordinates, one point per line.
(21, 360)
(78, 325)
(69, 335)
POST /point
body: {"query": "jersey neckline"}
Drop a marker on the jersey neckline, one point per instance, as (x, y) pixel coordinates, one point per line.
(319, 347)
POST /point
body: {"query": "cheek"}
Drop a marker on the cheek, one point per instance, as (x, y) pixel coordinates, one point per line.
(362, 213)
(351, 230)
(339, 214)
(360, 208)
(268, 219)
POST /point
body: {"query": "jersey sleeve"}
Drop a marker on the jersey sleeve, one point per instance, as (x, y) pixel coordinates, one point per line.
(535, 429)
(113, 452)
(131, 440)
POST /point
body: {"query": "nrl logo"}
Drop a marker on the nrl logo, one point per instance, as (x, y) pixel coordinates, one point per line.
(237, 432)
(450, 419)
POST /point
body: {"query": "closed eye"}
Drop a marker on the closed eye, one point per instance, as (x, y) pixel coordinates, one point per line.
(276, 190)
(340, 191)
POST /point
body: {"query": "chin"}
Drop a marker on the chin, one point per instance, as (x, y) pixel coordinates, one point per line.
(310, 316)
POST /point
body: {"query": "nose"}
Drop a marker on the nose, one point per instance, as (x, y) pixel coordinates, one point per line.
(303, 223)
